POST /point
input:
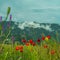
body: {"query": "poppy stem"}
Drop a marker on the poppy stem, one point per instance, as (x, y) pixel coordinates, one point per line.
(50, 54)
(57, 36)
(22, 56)
(5, 40)
(6, 55)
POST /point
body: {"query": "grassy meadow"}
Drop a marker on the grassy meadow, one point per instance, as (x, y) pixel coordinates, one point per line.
(47, 49)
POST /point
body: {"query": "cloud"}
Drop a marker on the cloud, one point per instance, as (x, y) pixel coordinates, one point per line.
(34, 25)
(32, 10)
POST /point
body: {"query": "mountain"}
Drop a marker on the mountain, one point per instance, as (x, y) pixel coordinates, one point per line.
(30, 30)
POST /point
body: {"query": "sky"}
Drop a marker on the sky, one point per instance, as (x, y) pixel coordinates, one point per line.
(42, 11)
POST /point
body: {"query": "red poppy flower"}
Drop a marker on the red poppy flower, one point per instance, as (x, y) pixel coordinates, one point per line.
(38, 40)
(17, 48)
(27, 44)
(43, 38)
(21, 50)
(30, 41)
(33, 43)
(52, 52)
(45, 46)
(20, 47)
(24, 41)
(48, 36)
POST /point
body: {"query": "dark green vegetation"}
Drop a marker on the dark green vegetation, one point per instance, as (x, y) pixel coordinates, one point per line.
(28, 32)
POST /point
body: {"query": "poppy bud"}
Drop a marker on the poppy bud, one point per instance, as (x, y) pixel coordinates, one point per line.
(52, 52)
(33, 43)
(38, 40)
(48, 36)
(30, 41)
(8, 11)
(43, 38)
(27, 44)
(24, 41)
(17, 48)
(45, 46)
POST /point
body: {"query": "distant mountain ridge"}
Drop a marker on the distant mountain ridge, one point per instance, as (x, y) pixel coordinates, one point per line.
(32, 30)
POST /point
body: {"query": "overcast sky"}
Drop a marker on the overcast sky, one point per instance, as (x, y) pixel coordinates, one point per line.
(43, 11)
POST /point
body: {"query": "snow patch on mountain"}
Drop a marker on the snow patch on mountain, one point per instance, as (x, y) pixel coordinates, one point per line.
(29, 24)
(34, 25)
(47, 27)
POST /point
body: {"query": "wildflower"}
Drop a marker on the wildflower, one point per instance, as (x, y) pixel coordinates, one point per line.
(0, 18)
(52, 52)
(48, 36)
(20, 47)
(8, 24)
(27, 44)
(17, 48)
(24, 41)
(21, 50)
(3, 27)
(10, 17)
(46, 39)
(12, 39)
(43, 38)
(45, 46)
(38, 40)
(31, 41)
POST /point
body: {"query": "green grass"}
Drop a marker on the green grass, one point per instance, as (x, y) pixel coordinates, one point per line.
(30, 52)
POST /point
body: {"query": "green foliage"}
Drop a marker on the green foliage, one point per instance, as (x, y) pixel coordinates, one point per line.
(0, 27)
(8, 11)
(37, 52)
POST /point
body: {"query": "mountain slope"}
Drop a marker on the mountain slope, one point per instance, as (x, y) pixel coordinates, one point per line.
(31, 30)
